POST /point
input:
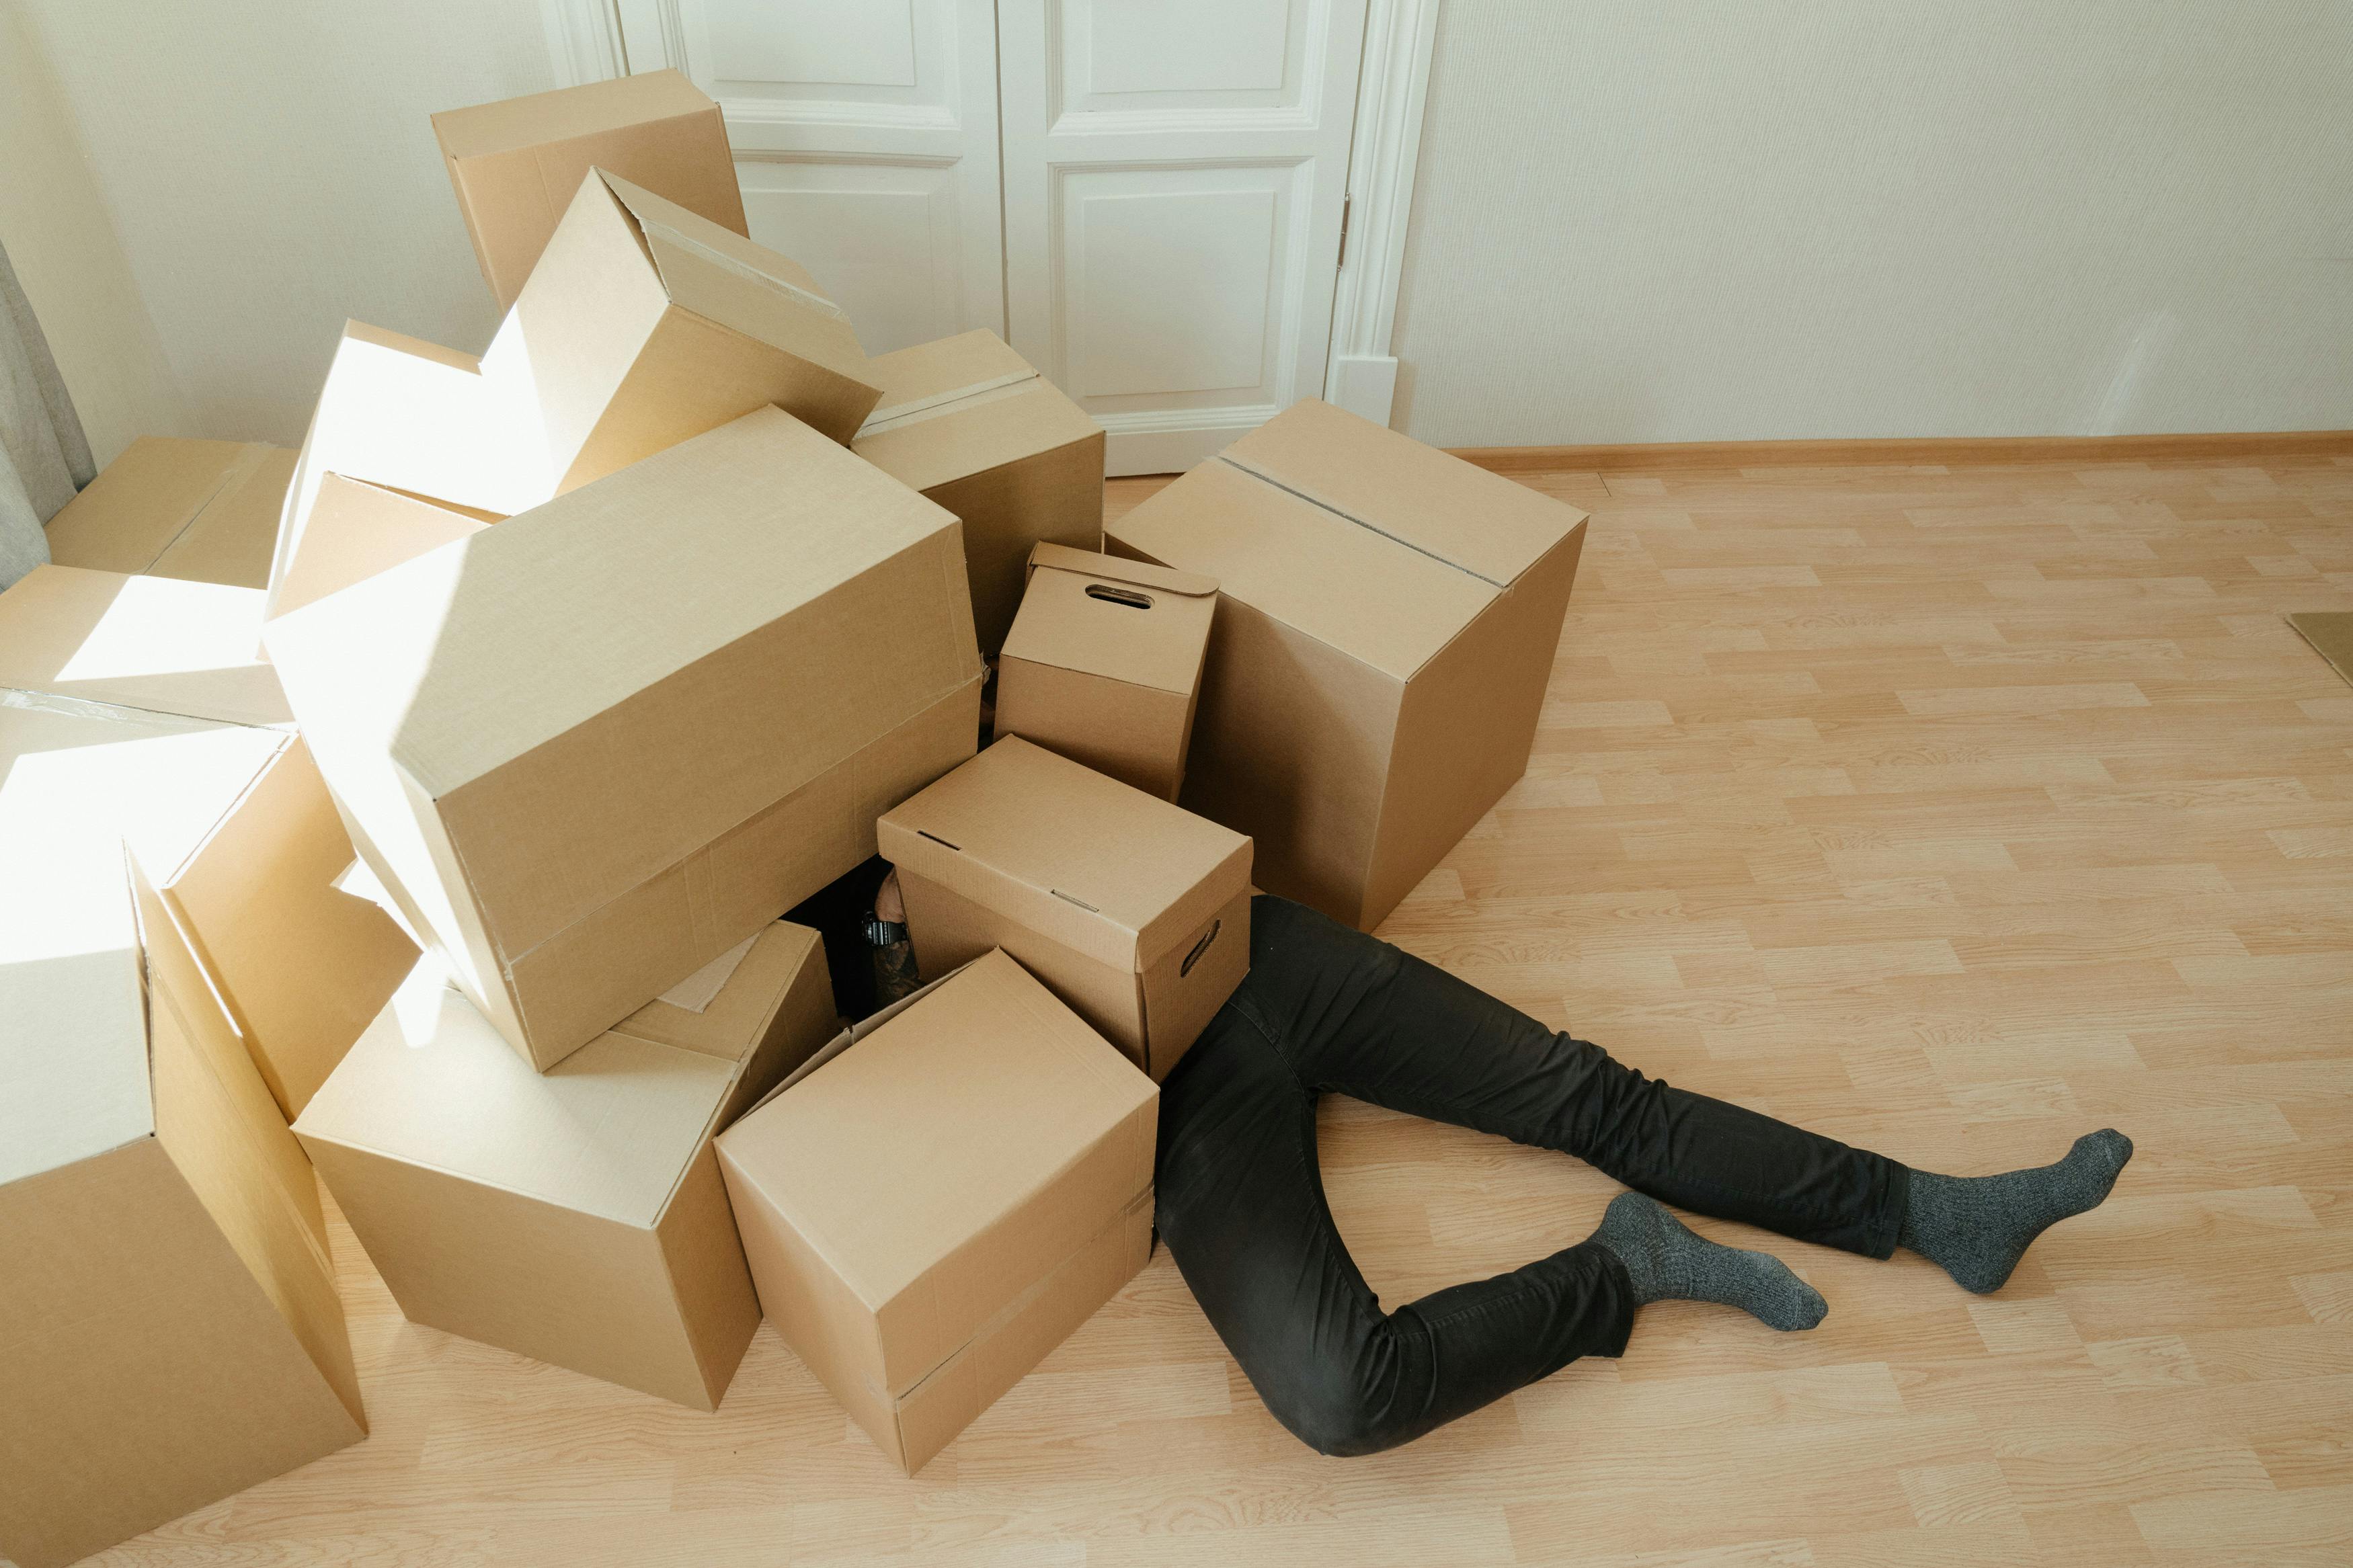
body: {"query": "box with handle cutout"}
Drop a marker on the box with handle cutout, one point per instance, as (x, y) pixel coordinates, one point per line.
(1104, 664)
(1133, 911)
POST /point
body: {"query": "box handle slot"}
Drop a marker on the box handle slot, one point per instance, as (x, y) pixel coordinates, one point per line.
(940, 841)
(1199, 948)
(1128, 597)
(1081, 902)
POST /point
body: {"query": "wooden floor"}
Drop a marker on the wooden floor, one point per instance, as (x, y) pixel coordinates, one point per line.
(1951, 812)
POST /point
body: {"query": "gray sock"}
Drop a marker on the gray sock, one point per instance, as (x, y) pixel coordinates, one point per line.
(1668, 1263)
(1975, 1229)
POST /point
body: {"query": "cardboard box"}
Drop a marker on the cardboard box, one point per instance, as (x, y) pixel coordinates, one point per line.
(169, 1328)
(299, 965)
(588, 764)
(205, 510)
(1104, 664)
(643, 325)
(1387, 618)
(969, 423)
(514, 165)
(956, 1187)
(1135, 913)
(575, 1215)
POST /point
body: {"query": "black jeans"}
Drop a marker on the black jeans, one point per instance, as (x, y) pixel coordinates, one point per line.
(1326, 1008)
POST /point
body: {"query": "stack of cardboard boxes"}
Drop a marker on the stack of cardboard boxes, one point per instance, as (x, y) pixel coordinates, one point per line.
(588, 657)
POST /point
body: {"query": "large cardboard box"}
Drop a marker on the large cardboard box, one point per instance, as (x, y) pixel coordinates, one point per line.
(642, 325)
(972, 425)
(586, 762)
(205, 511)
(169, 1328)
(1387, 618)
(299, 965)
(1104, 664)
(944, 1200)
(516, 163)
(1133, 911)
(575, 1215)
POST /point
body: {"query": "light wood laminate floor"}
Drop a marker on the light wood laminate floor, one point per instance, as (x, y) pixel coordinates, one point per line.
(1954, 813)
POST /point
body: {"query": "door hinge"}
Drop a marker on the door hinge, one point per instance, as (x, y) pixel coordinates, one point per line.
(1346, 204)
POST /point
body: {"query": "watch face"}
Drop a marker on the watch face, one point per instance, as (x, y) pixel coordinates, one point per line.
(884, 933)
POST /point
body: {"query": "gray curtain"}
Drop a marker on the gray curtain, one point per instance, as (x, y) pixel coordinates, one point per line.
(44, 457)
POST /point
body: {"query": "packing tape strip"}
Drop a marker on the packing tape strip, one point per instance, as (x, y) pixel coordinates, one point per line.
(916, 410)
(719, 258)
(120, 712)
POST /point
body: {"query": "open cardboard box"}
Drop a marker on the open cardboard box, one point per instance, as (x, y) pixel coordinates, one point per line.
(642, 325)
(170, 1331)
(972, 425)
(298, 965)
(1135, 913)
(515, 163)
(1104, 664)
(586, 767)
(1387, 618)
(576, 1215)
(941, 1196)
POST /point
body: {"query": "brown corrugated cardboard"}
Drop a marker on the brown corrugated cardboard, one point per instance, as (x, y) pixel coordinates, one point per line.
(2330, 633)
(169, 1328)
(205, 511)
(156, 643)
(299, 965)
(1133, 911)
(937, 1205)
(356, 530)
(642, 326)
(516, 163)
(1104, 664)
(1386, 624)
(575, 1215)
(587, 766)
(969, 423)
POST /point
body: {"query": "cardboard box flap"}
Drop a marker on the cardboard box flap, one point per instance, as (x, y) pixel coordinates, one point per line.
(1107, 870)
(893, 1157)
(934, 375)
(131, 514)
(1118, 569)
(1382, 604)
(741, 285)
(1448, 509)
(487, 129)
(728, 1025)
(430, 654)
(232, 539)
(356, 530)
(609, 1131)
(163, 644)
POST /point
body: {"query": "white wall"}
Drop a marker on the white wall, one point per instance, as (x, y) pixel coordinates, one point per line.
(1675, 220)
(269, 170)
(54, 223)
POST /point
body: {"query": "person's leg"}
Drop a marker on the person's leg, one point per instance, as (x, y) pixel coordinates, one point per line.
(1357, 1015)
(1241, 1207)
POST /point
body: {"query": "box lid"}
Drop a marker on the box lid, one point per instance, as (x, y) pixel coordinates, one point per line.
(720, 274)
(81, 781)
(131, 514)
(471, 654)
(356, 530)
(1117, 874)
(1127, 620)
(935, 1134)
(588, 110)
(961, 406)
(1362, 538)
(232, 537)
(158, 643)
(609, 1131)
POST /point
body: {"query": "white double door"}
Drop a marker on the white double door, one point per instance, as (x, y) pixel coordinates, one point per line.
(1144, 197)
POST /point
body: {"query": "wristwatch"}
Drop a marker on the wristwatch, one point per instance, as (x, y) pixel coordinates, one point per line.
(881, 933)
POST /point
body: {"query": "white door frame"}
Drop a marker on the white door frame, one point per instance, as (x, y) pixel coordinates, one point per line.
(589, 40)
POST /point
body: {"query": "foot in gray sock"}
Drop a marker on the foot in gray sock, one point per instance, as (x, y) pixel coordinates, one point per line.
(1668, 1263)
(1975, 1229)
